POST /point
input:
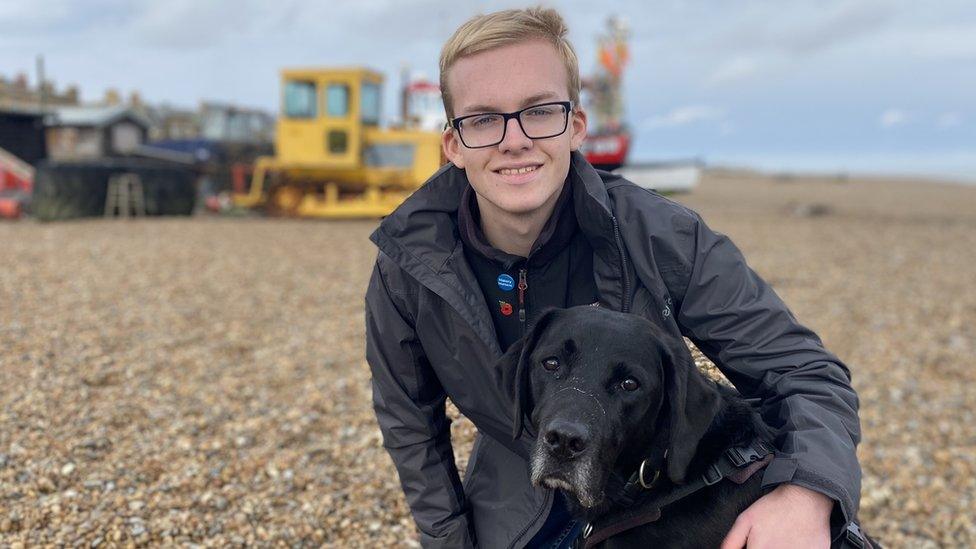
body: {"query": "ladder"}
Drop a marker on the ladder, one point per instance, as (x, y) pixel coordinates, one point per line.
(125, 196)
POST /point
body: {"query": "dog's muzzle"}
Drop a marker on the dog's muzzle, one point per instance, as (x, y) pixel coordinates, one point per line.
(565, 439)
(566, 453)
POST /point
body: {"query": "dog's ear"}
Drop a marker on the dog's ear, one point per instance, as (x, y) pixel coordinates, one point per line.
(692, 404)
(513, 370)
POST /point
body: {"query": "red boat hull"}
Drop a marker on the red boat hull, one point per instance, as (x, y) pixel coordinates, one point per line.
(607, 151)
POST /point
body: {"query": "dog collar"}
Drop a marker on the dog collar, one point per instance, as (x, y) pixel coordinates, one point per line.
(737, 464)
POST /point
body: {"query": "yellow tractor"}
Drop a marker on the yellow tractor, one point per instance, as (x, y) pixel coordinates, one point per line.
(332, 158)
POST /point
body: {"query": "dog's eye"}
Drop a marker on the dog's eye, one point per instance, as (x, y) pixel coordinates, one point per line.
(551, 364)
(629, 384)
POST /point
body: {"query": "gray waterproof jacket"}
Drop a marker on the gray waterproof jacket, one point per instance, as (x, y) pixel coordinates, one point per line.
(430, 336)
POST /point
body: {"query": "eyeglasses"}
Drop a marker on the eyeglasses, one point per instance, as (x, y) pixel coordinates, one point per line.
(487, 129)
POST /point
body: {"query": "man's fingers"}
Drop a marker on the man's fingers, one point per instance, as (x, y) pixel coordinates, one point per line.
(737, 536)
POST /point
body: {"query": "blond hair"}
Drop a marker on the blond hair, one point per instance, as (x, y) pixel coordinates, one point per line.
(504, 28)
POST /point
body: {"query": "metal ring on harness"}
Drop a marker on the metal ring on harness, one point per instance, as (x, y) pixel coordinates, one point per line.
(587, 530)
(640, 476)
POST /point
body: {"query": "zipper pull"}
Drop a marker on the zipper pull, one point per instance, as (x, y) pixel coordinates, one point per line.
(522, 285)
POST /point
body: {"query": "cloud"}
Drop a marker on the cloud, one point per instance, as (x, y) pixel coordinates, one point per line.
(191, 25)
(682, 116)
(849, 23)
(806, 30)
(734, 70)
(759, 45)
(951, 42)
(949, 120)
(47, 21)
(892, 117)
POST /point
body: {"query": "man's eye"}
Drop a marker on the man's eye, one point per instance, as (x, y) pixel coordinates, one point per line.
(629, 384)
(539, 111)
(551, 364)
(482, 121)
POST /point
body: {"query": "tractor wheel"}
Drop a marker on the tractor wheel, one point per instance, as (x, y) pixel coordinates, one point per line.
(285, 199)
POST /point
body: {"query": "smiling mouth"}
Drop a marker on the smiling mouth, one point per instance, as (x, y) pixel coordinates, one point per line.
(515, 171)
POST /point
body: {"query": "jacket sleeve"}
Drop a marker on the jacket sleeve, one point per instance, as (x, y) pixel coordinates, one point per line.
(740, 323)
(409, 404)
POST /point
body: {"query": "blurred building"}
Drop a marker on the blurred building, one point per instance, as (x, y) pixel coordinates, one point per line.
(75, 133)
(45, 122)
(224, 122)
(168, 122)
(18, 93)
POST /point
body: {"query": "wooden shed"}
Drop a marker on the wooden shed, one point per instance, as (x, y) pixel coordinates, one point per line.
(76, 133)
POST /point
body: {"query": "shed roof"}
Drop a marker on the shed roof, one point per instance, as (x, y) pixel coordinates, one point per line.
(95, 116)
(21, 110)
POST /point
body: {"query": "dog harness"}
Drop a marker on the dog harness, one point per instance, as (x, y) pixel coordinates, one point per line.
(737, 464)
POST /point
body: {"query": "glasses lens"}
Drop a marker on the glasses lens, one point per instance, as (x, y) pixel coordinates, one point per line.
(543, 121)
(538, 122)
(480, 131)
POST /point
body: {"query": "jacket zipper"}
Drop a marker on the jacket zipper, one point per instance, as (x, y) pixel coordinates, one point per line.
(523, 285)
(546, 504)
(625, 306)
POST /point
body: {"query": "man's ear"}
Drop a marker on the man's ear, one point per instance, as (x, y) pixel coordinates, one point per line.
(577, 125)
(452, 147)
(692, 401)
(514, 369)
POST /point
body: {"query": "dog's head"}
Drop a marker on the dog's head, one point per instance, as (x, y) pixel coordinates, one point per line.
(595, 386)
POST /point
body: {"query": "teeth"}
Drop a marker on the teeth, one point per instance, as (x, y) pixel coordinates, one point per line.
(520, 170)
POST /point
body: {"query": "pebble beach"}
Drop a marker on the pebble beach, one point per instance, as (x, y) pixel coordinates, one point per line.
(201, 381)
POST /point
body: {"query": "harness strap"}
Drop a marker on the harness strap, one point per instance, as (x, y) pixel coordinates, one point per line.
(853, 538)
(742, 474)
(592, 538)
(737, 464)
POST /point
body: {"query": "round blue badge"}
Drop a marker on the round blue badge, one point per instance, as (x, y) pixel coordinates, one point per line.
(505, 282)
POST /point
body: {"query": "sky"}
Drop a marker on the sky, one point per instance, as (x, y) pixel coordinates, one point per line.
(781, 85)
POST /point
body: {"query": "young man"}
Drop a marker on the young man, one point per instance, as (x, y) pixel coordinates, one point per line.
(519, 221)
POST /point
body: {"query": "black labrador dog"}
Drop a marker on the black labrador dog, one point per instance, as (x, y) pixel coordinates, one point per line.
(623, 421)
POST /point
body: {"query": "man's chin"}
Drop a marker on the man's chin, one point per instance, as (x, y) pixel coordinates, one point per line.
(516, 200)
(522, 201)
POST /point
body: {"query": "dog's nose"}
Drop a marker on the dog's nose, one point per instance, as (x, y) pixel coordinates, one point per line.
(566, 439)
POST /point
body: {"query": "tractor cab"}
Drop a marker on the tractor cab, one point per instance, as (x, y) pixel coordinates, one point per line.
(324, 114)
(332, 157)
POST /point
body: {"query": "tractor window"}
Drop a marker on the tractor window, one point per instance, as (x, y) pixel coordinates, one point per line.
(300, 99)
(389, 155)
(337, 100)
(370, 103)
(338, 141)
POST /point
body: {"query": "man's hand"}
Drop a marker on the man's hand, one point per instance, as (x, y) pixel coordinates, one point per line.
(789, 516)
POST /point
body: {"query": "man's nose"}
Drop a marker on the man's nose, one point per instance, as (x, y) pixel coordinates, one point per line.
(566, 439)
(515, 138)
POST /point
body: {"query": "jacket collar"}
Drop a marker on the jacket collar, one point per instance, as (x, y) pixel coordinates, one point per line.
(422, 237)
(556, 233)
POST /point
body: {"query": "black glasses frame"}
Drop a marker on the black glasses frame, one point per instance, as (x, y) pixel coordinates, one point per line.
(567, 105)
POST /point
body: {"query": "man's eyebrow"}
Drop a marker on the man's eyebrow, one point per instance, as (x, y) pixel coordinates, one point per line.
(474, 109)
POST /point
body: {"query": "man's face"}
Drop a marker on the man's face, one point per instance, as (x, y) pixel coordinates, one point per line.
(508, 79)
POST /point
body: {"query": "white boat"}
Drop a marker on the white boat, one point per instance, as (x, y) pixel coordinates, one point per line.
(665, 177)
